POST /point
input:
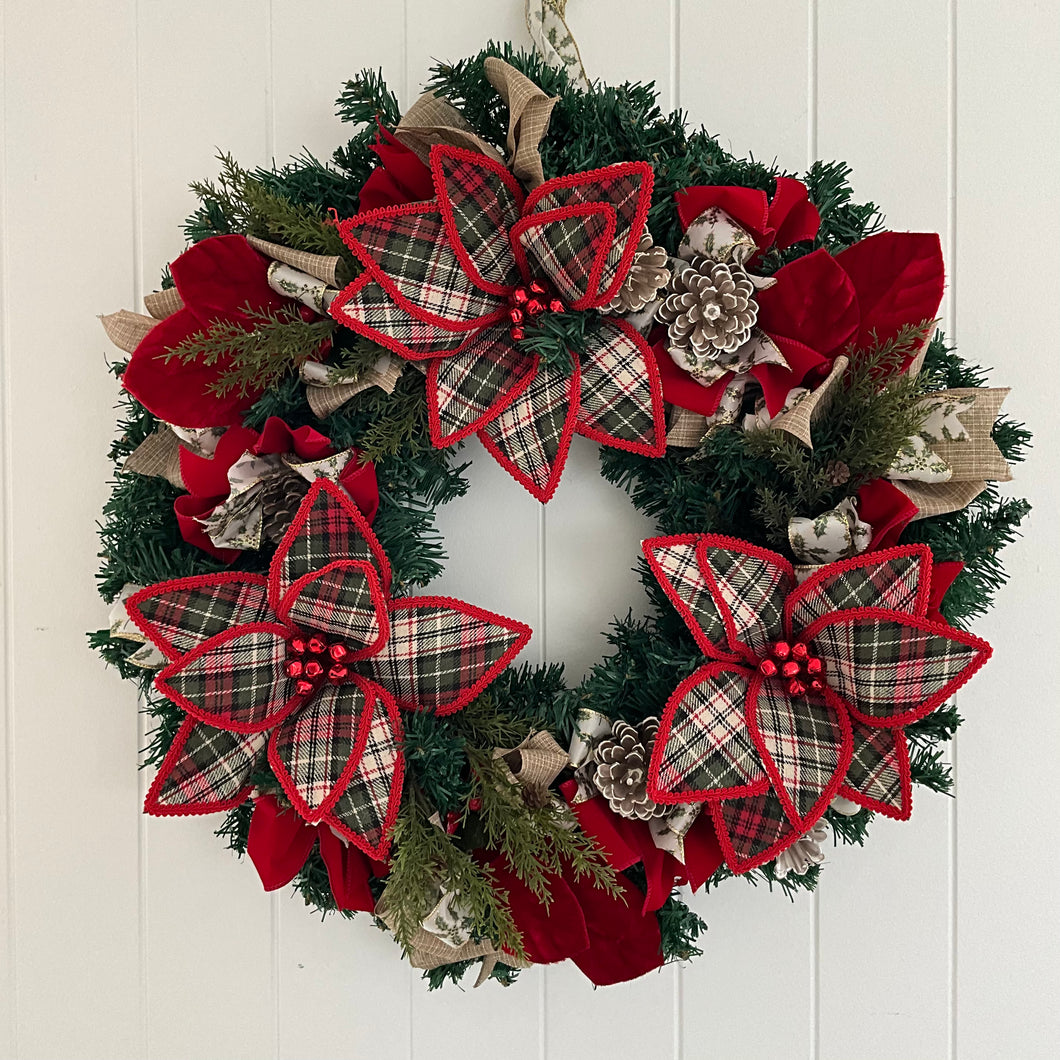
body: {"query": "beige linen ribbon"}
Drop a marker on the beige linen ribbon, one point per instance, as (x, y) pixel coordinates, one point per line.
(973, 461)
(327, 269)
(432, 120)
(157, 456)
(127, 329)
(327, 391)
(162, 304)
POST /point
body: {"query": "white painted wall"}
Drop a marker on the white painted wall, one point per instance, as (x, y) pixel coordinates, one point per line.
(124, 937)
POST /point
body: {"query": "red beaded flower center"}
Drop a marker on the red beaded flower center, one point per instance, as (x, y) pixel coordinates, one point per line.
(316, 661)
(802, 671)
(527, 304)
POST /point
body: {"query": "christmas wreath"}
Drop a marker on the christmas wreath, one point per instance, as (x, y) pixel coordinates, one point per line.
(526, 256)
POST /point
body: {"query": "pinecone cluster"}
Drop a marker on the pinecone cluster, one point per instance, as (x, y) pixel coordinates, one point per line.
(646, 275)
(709, 309)
(622, 769)
(281, 494)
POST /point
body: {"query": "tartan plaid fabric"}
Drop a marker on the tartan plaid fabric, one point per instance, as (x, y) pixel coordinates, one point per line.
(753, 590)
(413, 253)
(616, 388)
(238, 682)
(363, 808)
(470, 384)
(212, 766)
(753, 824)
(707, 745)
(893, 584)
(193, 610)
(341, 601)
(531, 434)
(876, 766)
(484, 209)
(679, 566)
(801, 734)
(618, 187)
(364, 305)
(326, 533)
(884, 667)
(566, 248)
(313, 748)
(436, 653)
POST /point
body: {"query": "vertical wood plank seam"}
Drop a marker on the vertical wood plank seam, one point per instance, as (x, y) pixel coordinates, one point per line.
(951, 319)
(6, 508)
(142, 853)
(812, 43)
(542, 653)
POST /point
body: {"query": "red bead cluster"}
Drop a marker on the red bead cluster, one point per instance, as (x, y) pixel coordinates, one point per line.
(802, 671)
(528, 303)
(314, 661)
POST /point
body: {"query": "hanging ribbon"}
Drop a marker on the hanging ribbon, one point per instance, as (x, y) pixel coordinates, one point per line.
(546, 22)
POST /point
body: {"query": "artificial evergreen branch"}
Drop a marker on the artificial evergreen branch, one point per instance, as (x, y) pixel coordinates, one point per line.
(277, 346)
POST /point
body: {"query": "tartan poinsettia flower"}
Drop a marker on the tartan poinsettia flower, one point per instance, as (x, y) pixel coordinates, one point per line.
(461, 282)
(308, 667)
(807, 688)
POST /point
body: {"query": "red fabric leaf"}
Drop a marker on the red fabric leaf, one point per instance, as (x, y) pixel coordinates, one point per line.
(550, 932)
(703, 854)
(599, 823)
(792, 217)
(813, 302)
(348, 872)
(189, 509)
(748, 207)
(278, 843)
(399, 178)
(679, 388)
(942, 577)
(218, 279)
(899, 279)
(887, 509)
(623, 942)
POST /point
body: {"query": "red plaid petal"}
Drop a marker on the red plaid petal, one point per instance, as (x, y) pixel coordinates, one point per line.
(749, 585)
(365, 812)
(890, 669)
(621, 393)
(704, 748)
(327, 527)
(479, 200)
(344, 599)
(530, 439)
(898, 579)
(366, 308)
(752, 830)
(674, 561)
(570, 247)
(626, 187)
(469, 389)
(315, 752)
(407, 253)
(235, 680)
(205, 770)
(442, 653)
(878, 777)
(805, 745)
(179, 615)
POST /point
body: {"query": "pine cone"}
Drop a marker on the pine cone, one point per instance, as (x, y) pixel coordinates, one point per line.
(622, 770)
(709, 309)
(646, 275)
(281, 494)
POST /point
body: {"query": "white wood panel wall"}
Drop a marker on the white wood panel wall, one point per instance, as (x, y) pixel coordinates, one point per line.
(122, 937)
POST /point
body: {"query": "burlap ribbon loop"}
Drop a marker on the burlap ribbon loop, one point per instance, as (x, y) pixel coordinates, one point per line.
(529, 111)
(328, 269)
(433, 120)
